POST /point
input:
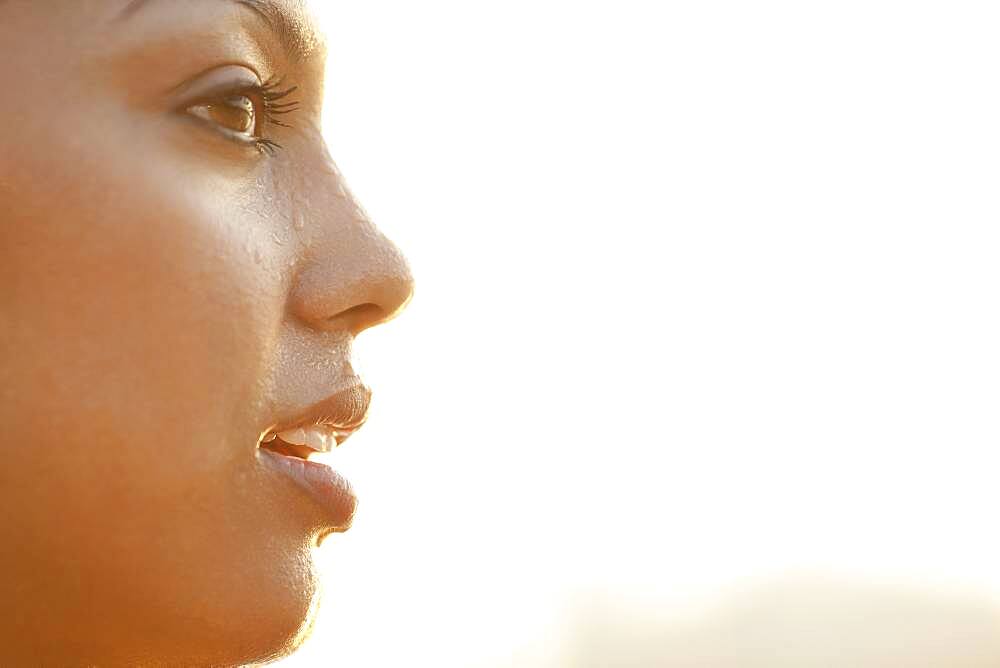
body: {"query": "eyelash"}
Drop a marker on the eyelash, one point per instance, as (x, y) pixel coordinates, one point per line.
(267, 101)
(274, 103)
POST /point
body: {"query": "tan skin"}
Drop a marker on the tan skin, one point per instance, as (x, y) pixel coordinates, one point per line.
(169, 289)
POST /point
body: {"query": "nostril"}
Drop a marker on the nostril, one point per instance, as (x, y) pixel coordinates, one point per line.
(351, 286)
(359, 318)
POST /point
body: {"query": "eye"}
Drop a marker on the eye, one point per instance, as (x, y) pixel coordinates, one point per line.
(237, 114)
(243, 112)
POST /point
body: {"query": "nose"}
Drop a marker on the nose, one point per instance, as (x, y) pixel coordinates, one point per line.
(353, 277)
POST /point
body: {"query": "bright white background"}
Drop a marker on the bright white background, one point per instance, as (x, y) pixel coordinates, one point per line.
(707, 292)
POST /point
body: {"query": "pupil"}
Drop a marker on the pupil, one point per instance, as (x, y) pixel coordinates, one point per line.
(236, 113)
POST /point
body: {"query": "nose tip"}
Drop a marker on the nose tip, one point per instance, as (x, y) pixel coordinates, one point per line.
(386, 298)
(359, 281)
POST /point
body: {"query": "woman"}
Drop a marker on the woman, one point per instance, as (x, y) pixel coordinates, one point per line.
(183, 275)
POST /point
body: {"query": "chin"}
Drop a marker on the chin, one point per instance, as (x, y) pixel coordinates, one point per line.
(254, 617)
(268, 637)
(209, 612)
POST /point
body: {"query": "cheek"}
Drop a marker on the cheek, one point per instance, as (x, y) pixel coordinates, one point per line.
(143, 300)
(135, 319)
(141, 312)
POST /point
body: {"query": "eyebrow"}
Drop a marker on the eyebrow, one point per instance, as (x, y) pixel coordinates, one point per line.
(297, 42)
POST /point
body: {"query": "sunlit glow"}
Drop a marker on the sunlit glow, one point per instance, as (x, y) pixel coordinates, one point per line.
(706, 305)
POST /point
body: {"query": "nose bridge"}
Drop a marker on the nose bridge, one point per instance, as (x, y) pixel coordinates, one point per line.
(353, 277)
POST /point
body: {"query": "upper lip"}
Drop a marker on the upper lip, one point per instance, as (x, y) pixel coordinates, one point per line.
(343, 412)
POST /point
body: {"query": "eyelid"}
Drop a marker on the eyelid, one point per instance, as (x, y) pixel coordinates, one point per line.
(216, 85)
(227, 79)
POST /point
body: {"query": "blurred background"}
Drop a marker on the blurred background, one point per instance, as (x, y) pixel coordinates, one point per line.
(703, 368)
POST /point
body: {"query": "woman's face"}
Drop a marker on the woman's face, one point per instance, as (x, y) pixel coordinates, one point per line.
(183, 270)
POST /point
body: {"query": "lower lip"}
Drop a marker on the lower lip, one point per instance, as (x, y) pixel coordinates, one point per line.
(328, 488)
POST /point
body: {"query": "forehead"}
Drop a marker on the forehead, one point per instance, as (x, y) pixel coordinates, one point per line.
(289, 20)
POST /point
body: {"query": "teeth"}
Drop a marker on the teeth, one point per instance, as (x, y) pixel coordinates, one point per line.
(315, 438)
(269, 438)
(293, 436)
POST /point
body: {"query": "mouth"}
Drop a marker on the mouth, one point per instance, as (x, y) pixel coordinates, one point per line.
(285, 447)
(304, 441)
